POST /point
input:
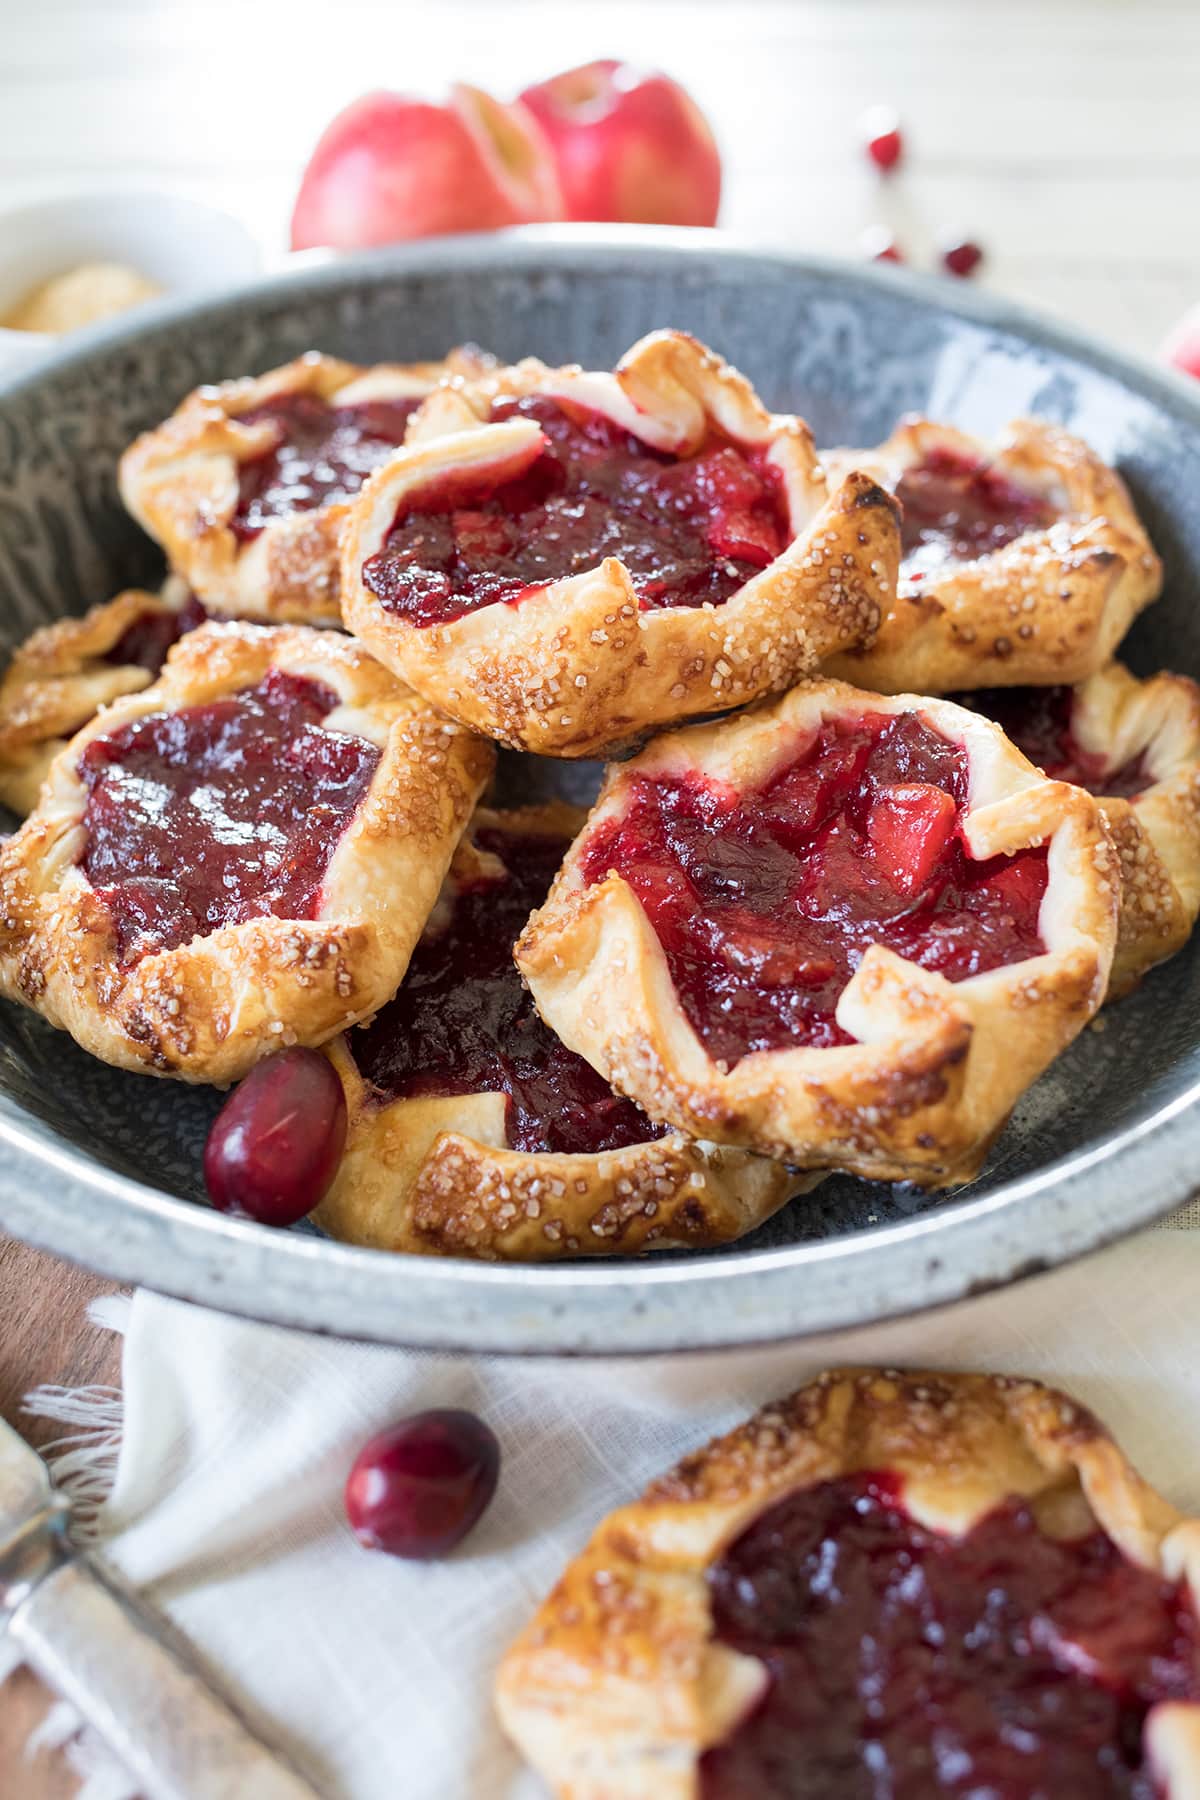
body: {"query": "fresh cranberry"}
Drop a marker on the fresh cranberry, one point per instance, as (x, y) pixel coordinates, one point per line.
(961, 257)
(275, 1145)
(884, 140)
(418, 1489)
(879, 244)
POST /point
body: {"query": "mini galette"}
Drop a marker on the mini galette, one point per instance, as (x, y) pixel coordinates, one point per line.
(901, 1585)
(245, 486)
(473, 1131)
(843, 930)
(587, 556)
(1022, 562)
(239, 858)
(62, 675)
(1135, 744)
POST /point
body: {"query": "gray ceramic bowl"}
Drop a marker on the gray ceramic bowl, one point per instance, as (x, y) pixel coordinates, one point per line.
(104, 1167)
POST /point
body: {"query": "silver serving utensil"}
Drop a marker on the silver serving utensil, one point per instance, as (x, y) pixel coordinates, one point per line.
(125, 1671)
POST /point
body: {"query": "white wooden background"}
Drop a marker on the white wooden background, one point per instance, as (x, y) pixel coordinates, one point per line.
(1063, 134)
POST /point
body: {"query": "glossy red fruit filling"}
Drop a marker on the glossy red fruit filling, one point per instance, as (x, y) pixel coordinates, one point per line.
(1038, 721)
(419, 1488)
(957, 508)
(144, 643)
(1002, 1665)
(219, 813)
(322, 454)
(691, 530)
(463, 1022)
(765, 900)
(275, 1145)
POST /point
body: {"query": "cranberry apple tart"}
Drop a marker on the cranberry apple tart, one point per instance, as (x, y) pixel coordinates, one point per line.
(588, 556)
(1022, 563)
(245, 486)
(841, 929)
(62, 675)
(474, 1131)
(904, 1584)
(239, 858)
(1136, 744)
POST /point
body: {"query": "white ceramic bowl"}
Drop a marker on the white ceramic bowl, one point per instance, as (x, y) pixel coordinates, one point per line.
(182, 245)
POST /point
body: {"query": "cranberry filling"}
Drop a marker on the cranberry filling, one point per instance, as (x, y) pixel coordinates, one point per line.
(464, 1024)
(145, 641)
(219, 813)
(764, 901)
(322, 454)
(691, 530)
(957, 508)
(1003, 1665)
(1038, 721)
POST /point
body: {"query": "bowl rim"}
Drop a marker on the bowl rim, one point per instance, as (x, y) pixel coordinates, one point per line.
(1087, 1199)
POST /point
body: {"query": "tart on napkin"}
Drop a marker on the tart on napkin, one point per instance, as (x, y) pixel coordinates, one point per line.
(911, 1584)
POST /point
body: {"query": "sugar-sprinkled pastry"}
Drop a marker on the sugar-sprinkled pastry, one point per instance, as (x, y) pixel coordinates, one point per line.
(1135, 744)
(238, 858)
(841, 929)
(245, 485)
(912, 1584)
(62, 675)
(565, 559)
(1023, 562)
(473, 1131)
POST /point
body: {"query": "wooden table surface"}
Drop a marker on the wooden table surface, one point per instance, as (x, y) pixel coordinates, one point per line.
(1061, 134)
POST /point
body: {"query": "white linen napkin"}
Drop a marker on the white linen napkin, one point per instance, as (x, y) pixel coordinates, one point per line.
(375, 1674)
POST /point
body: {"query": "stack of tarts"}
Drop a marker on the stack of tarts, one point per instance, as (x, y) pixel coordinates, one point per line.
(884, 821)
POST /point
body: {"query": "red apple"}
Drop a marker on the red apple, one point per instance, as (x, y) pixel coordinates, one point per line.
(630, 146)
(389, 167)
(1181, 347)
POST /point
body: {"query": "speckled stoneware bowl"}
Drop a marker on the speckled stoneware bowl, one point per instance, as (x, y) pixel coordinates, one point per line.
(104, 1167)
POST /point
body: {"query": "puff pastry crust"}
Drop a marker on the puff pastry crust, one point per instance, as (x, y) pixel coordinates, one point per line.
(578, 666)
(1154, 726)
(434, 1174)
(1051, 606)
(617, 1686)
(937, 1065)
(62, 675)
(208, 1009)
(181, 483)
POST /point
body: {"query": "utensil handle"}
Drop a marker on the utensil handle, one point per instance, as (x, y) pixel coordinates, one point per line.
(93, 1643)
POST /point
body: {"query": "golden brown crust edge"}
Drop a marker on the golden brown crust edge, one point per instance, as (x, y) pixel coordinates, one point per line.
(937, 1066)
(1050, 607)
(209, 1009)
(1157, 832)
(180, 482)
(616, 1688)
(434, 1175)
(59, 678)
(580, 667)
